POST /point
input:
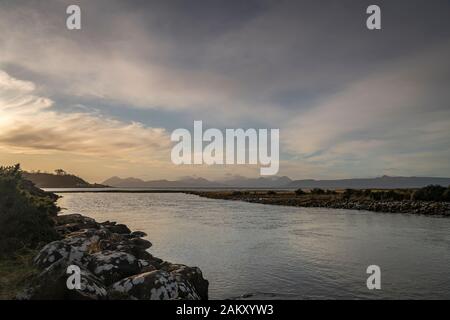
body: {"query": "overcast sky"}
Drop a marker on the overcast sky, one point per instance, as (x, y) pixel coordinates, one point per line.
(349, 102)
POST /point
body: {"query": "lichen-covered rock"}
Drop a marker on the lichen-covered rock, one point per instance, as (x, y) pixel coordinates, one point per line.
(138, 234)
(61, 249)
(65, 224)
(118, 228)
(155, 285)
(131, 246)
(73, 218)
(140, 243)
(192, 274)
(108, 254)
(111, 266)
(51, 284)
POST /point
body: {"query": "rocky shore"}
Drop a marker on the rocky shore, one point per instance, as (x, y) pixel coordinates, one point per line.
(114, 264)
(334, 202)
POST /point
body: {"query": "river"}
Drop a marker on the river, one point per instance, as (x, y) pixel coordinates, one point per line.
(276, 252)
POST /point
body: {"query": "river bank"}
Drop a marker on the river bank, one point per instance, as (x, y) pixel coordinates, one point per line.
(334, 201)
(40, 249)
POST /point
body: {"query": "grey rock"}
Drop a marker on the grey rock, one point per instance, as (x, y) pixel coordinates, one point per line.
(111, 266)
(118, 228)
(138, 234)
(51, 284)
(192, 274)
(155, 285)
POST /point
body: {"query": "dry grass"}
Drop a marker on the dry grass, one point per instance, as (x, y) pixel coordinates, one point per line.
(15, 272)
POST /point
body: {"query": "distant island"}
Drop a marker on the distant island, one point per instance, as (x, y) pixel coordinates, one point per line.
(60, 179)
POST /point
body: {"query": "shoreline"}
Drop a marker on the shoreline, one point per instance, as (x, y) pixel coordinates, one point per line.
(429, 208)
(284, 197)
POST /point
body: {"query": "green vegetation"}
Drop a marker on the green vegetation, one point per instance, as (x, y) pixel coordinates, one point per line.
(25, 213)
(299, 192)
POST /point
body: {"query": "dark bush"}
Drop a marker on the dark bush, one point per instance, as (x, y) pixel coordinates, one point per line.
(430, 193)
(330, 192)
(446, 195)
(376, 195)
(271, 193)
(299, 192)
(317, 191)
(391, 195)
(394, 195)
(24, 213)
(237, 193)
(348, 193)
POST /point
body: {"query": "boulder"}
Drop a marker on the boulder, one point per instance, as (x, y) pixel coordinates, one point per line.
(61, 250)
(51, 284)
(135, 246)
(155, 285)
(118, 228)
(138, 234)
(65, 224)
(192, 274)
(76, 247)
(140, 243)
(111, 266)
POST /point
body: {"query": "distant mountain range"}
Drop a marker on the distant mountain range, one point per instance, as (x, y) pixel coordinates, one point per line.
(47, 180)
(384, 182)
(196, 182)
(189, 182)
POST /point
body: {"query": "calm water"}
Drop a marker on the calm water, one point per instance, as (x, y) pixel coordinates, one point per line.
(284, 252)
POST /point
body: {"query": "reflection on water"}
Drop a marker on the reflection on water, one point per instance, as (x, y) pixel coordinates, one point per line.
(271, 252)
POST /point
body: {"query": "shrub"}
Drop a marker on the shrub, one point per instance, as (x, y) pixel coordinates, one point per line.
(391, 195)
(271, 193)
(430, 193)
(394, 195)
(317, 191)
(348, 193)
(446, 195)
(330, 192)
(299, 192)
(25, 211)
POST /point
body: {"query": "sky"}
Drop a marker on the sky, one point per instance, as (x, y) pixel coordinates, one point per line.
(349, 102)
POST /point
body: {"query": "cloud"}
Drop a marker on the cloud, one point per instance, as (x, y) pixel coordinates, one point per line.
(382, 119)
(236, 61)
(348, 102)
(29, 124)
